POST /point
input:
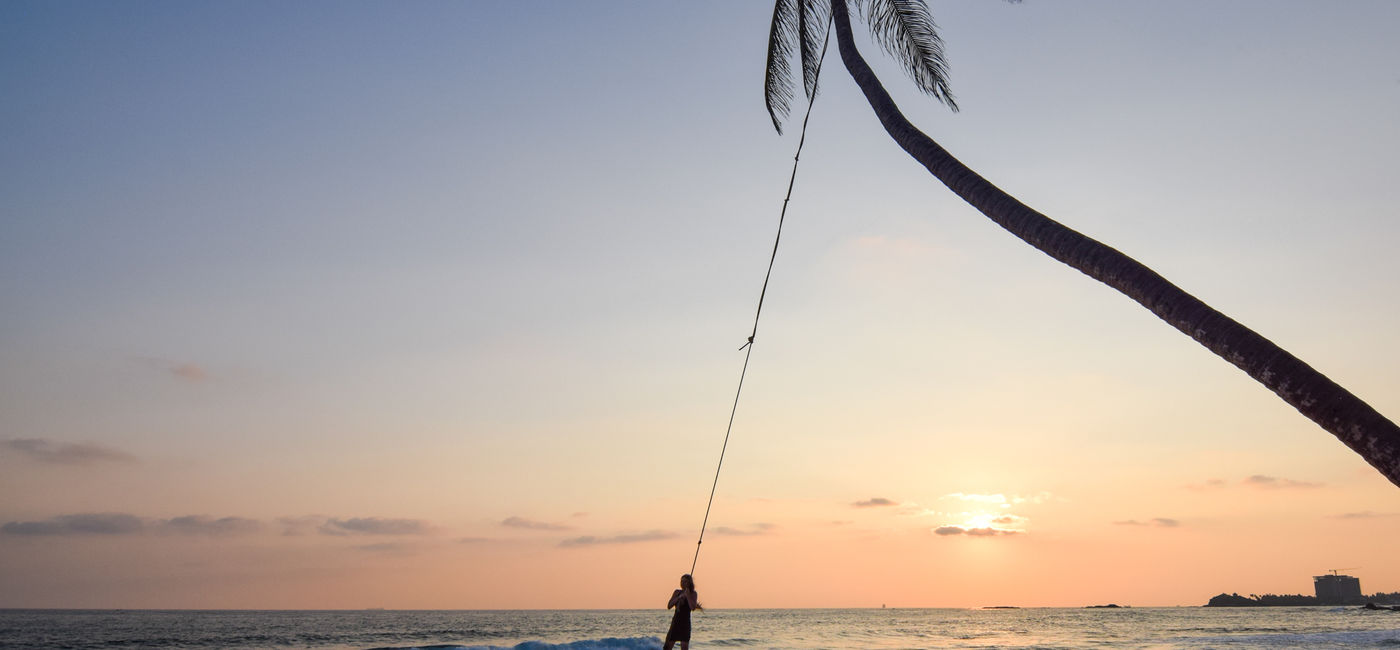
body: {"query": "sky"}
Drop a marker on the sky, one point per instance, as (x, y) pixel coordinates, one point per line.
(438, 305)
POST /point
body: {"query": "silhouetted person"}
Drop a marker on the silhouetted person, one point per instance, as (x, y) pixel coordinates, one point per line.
(684, 600)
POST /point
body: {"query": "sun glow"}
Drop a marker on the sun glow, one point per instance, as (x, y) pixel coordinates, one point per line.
(981, 523)
(980, 520)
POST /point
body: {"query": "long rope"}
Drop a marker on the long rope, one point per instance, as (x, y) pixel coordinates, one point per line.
(759, 312)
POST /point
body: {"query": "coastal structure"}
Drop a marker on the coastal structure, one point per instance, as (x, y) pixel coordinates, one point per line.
(1333, 589)
(1336, 589)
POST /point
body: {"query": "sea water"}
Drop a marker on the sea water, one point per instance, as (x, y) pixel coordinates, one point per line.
(1179, 627)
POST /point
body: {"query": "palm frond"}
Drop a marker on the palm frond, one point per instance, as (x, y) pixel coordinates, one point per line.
(811, 27)
(906, 30)
(782, 44)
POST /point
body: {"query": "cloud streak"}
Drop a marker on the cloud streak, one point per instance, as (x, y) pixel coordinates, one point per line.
(757, 529)
(373, 526)
(996, 499)
(874, 502)
(1258, 481)
(201, 525)
(530, 524)
(590, 540)
(1009, 520)
(1159, 522)
(120, 523)
(296, 526)
(65, 453)
(985, 531)
(1210, 484)
(181, 370)
(1275, 483)
(1001, 499)
(98, 523)
(391, 548)
(1365, 514)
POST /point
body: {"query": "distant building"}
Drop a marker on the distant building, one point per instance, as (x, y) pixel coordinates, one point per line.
(1338, 590)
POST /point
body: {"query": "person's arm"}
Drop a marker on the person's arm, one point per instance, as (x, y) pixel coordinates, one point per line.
(675, 598)
(693, 598)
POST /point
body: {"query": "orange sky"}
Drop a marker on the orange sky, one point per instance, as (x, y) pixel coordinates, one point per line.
(396, 307)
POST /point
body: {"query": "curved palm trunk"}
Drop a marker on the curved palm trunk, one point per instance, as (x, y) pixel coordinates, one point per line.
(1353, 421)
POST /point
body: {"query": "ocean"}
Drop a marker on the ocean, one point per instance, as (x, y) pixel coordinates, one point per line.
(1154, 627)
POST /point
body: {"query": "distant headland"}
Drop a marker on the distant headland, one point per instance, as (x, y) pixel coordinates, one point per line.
(1294, 600)
(1331, 589)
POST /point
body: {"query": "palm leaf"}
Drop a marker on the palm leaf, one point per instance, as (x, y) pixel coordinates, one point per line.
(782, 43)
(812, 23)
(907, 31)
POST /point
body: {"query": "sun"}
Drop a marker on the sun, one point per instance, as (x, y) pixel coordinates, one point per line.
(985, 524)
(979, 520)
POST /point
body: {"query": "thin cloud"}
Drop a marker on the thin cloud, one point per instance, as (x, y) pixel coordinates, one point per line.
(529, 524)
(874, 502)
(1365, 514)
(757, 529)
(473, 540)
(181, 370)
(394, 548)
(201, 525)
(1210, 484)
(1159, 522)
(991, 532)
(590, 540)
(1275, 483)
(189, 372)
(103, 523)
(65, 453)
(977, 498)
(305, 525)
(1009, 520)
(1001, 499)
(373, 526)
(987, 531)
(1258, 481)
(118, 523)
(1036, 499)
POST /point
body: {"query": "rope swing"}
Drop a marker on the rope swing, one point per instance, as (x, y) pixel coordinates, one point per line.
(759, 312)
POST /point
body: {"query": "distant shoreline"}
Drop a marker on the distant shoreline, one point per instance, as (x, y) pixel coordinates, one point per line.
(1298, 600)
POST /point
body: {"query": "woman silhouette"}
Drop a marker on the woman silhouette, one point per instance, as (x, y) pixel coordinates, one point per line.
(684, 600)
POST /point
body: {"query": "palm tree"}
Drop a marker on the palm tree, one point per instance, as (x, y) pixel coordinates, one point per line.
(907, 31)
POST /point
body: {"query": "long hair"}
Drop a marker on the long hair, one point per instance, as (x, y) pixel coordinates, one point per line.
(688, 583)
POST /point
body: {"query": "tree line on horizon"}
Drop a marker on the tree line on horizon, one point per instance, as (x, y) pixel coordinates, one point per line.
(1294, 600)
